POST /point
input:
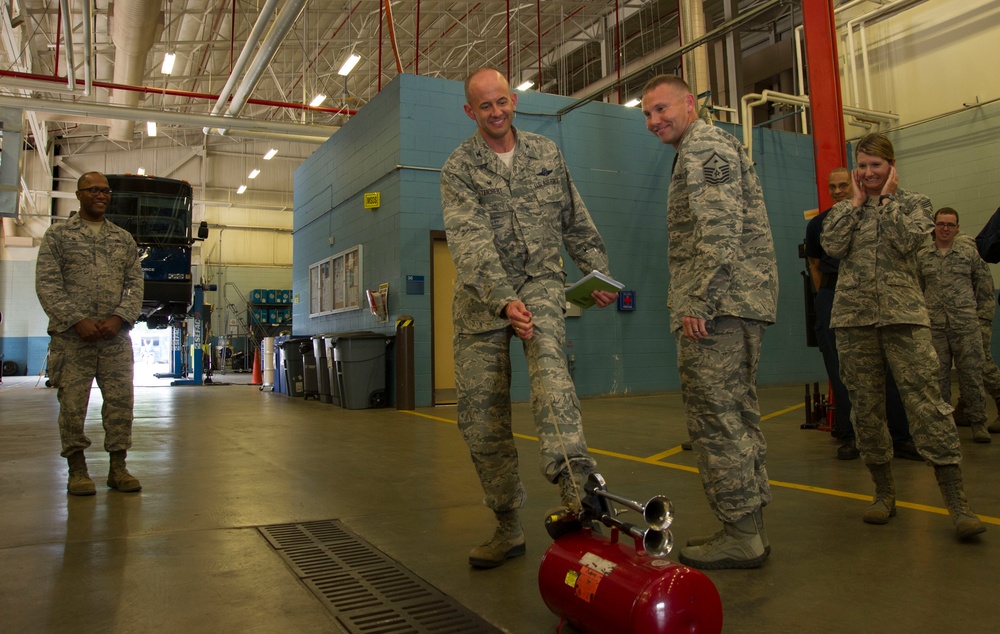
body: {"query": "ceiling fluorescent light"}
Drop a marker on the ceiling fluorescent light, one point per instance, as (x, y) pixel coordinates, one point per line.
(242, 189)
(253, 174)
(525, 85)
(318, 99)
(168, 63)
(151, 128)
(633, 103)
(349, 65)
(270, 154)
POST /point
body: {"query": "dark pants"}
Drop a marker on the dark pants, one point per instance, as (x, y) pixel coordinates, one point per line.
(899, 427)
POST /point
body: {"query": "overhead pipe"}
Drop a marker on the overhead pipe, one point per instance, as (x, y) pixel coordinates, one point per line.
(133, 31)
(87, 19)
(268, 49)
(695, 62)
(316, 133)
(799, 59)
(43, 83)
(750, 101)
(392, 37)
(860, 21)
(601, 86)
(258, 29)
(67, 25)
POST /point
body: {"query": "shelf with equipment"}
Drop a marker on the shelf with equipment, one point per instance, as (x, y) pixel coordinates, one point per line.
(268, 312)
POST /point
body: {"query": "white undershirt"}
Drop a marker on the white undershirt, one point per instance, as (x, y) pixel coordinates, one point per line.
(507, 158)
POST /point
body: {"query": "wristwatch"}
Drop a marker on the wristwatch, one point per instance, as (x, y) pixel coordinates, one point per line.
(885, 198)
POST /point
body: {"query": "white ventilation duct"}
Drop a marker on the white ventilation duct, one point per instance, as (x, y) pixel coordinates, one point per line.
(695, 62)
(134, 24)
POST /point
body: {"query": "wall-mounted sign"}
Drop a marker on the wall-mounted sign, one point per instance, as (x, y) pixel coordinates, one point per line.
(371, 200)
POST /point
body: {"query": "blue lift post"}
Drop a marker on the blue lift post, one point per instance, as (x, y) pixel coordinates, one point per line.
(197, 345)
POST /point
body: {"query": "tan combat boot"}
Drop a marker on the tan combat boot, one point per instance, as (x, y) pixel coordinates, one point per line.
(758, 515)
(119, 477)
(507, 542)
(884, 503)
(738, 545)
(79, 480)
(949, 478)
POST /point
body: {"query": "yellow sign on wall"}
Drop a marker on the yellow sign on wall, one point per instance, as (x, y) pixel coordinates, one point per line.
(371, 200)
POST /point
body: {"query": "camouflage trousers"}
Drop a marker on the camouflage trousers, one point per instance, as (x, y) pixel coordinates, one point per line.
(991, 373)
(482, 380)
(73, 365)
(719, 381)
(963, 344)
(865, 353)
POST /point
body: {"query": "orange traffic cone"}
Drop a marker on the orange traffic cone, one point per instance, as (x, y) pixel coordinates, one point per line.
(256, 379)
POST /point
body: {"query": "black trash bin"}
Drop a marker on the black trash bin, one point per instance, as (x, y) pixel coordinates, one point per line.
(359, 358)
(322, 368)
(310, 385)
(290, 366)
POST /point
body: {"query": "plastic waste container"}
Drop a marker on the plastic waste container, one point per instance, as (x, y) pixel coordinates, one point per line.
(322, 368)
(359, 358)
(329, 343)
(290, 365)
(310, 386)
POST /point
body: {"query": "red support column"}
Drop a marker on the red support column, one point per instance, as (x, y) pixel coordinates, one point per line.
(829, 139)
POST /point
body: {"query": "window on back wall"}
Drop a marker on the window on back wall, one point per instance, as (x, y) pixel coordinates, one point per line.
(335, 283)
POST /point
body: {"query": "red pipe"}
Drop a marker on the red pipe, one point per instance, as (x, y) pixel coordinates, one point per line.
(508, 39)
(392, 37)
(829, 138)
(175, 93)
(618, 49)
(455, 25)
(380, 47)
(55, 69)
(538, 13)
(416, 42)
(204, 55)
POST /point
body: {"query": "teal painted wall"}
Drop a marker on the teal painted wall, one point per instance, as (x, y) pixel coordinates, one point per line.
(397, 144)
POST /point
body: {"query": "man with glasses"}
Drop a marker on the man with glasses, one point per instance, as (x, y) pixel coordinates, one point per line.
(89, 281)
(953, 278)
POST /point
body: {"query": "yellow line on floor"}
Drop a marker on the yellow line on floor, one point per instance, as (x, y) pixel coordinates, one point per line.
(655, 459)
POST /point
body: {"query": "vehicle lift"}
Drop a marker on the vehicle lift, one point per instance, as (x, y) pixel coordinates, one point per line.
(197, 354)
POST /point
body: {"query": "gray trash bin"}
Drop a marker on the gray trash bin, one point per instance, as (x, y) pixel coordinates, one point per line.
(359, 359)
(310, 385)
(290, 366)
(329, 343)
(322, 369)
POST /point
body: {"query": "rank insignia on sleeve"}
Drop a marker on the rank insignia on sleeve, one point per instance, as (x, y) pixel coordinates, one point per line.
(716, 170)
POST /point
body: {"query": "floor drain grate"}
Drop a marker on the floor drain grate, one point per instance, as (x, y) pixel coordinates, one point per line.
(368, 591)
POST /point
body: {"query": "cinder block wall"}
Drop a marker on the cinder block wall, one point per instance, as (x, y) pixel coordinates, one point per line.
(397, 144)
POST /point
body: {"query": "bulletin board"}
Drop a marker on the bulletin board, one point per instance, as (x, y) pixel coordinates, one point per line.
(335, 283)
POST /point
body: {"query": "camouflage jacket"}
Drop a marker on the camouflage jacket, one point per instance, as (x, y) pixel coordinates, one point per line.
(505, 227)
(878, 285)
(81, 275)
(957, 284)
(721, 254)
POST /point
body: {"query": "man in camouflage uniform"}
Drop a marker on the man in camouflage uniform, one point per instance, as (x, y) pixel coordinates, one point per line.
(509, 205)
(881, 320)
(952, 275)
(988, 246)
(89, 281)
(723, 294)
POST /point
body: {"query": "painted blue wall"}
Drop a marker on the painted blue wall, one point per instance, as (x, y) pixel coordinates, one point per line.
(397, 144)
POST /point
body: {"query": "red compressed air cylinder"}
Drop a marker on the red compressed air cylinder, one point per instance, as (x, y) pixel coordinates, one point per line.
(601, 585)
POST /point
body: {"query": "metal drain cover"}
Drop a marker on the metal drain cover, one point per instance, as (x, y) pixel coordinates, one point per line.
(367, 591)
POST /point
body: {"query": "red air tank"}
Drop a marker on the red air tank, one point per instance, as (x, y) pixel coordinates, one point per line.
(602, 586)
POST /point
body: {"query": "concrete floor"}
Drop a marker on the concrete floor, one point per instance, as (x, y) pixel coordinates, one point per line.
(217, 461)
